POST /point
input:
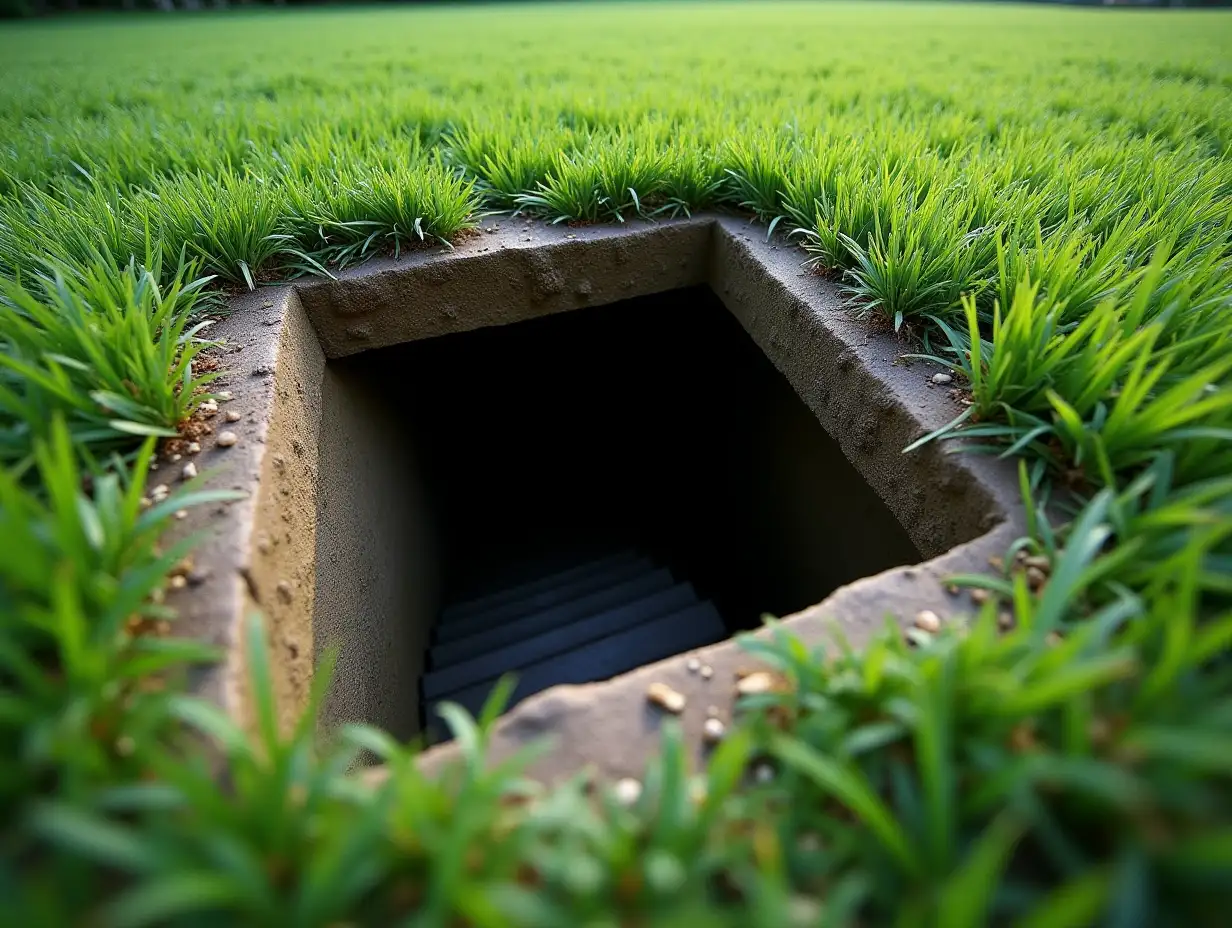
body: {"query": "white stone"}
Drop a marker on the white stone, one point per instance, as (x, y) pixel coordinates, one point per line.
(227, 439)
(928, 621)
(190, 470)
(194, 447)
(942, 378)
(707, 671)
(760, 682)
(713, 730)
(224, 395)
(232, 416)
(666, 698)
(693, 665)
(181, 513)
(627, 791)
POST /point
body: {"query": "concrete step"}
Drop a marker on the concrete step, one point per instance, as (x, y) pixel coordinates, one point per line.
(694, 627)
(504, 633)
(564, 587)
(556, 640)
(537, 584)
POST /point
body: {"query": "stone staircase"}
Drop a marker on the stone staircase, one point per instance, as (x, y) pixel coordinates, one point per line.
(584, 623)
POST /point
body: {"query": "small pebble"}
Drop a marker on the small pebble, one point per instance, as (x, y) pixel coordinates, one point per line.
(713, 730)
(707, 671)
(1036, 578)
(760, 682)
(942, 378)
(190, 470)
(763, 773)
(178, 582)
(284, 591)
(627, 791)
(666, 698)
(159, 492)
(952, 590)
(227, 439)
(928, 621)
(1005, 621)
(194, 447)
(153, 465)
(181, 513)
(693, 665)
(232, 416)
(979, 595)
(1039, 562)
(208, 408)
(224, 395)
(174, 458)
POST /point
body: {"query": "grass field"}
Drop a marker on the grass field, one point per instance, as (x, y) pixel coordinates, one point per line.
(1039, 197)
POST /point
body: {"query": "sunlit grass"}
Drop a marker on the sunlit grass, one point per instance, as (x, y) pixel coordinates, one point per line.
(1039, 200)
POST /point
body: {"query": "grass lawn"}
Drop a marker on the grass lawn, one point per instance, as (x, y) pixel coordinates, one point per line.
(1041, 198)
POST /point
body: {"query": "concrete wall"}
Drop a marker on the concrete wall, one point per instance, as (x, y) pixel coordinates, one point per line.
(376, 558)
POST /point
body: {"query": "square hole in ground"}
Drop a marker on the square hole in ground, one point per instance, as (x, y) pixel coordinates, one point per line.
(568, 498)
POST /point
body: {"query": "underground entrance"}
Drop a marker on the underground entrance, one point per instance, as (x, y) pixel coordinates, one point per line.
(568, 498)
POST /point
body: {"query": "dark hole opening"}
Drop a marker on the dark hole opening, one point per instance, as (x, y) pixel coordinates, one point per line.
(654, 426)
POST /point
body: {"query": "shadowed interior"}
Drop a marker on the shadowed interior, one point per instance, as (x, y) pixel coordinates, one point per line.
(654, 424)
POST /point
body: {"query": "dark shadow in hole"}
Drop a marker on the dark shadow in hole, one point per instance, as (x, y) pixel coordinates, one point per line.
(655, 424)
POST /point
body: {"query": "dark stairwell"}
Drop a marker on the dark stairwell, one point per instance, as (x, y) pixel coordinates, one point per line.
(611, 486)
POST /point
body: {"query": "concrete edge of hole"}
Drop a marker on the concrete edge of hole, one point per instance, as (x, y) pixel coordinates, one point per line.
(958, 509)
(257, 552)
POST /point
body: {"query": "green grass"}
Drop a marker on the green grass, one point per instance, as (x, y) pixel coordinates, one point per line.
(1038, 198)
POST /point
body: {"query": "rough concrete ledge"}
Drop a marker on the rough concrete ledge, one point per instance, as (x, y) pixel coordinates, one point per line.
(512, 270)
(258, 552)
